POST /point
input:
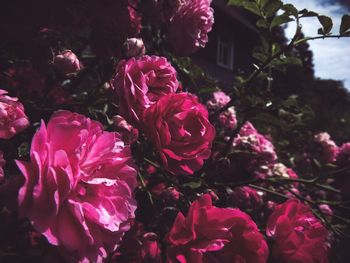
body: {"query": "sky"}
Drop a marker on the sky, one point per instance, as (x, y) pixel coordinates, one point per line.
(331, 56)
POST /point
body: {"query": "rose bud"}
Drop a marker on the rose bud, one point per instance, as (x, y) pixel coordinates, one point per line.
(134, 47)
(67, 62)
(150, 248)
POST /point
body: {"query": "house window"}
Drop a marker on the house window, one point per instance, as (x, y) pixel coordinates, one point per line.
(225, 53)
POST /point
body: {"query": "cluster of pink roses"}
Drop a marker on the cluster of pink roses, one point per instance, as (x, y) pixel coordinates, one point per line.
(176, 123)
(212, 234)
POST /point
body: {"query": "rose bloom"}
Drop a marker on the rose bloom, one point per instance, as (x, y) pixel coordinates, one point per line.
(212, 234)
(179, 127)
(219, 100)
(189, 27)
(12, 117)
(227, 119)
(329, 148)
(298, 235)
(67, 62)
(256, 149)
(139, 83)
(79, 184)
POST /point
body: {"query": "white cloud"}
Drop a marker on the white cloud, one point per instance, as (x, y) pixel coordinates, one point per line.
(331, 56)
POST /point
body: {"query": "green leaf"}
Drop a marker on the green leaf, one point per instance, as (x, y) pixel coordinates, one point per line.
(287, 61)
(326, 23)
(260, 56)
(272, 7)
(290, 9)
(307, 13)
(236, 2)
(252, 7)
(345, 24)
(279, 20)
(262, 23)
(248, 5)
(193, 185)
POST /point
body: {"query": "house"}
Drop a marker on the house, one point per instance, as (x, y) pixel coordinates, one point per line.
(230, 44)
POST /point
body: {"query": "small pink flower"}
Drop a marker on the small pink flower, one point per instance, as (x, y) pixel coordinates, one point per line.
(329, 148)
(78, 189)
(139, 83)
(189, 27)
(219, 100)
(256, 150)
(343, 154)
(12, 117)
(67, 62)
(298, 235)
(212, 234)
(227, 119)
(178, 126)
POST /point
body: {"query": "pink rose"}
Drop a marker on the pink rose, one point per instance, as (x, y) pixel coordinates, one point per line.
(329, 149)
(2, 164)
(298, 235)
(343, 155)
(219, 100)
(179, 127)
(227, 119)
(67, 62)
(139, 83)
(189, 27)
(12, 117)
(256, 149)
(78, 189)
(212, 234)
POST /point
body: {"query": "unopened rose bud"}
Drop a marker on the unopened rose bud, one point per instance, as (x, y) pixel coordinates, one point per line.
(134, 47)
(150, 250)
(67, 62)
(326, 210)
